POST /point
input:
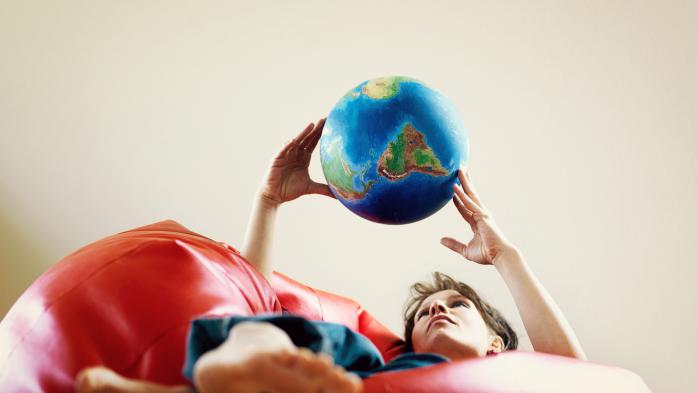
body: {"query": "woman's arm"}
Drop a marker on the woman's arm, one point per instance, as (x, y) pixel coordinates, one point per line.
(544, 322)
(287, 178)
(259, 236)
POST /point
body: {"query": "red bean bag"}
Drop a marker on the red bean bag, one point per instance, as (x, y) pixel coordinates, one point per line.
(126, 301)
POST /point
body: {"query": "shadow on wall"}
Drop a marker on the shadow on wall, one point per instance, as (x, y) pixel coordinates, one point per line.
(22, 260)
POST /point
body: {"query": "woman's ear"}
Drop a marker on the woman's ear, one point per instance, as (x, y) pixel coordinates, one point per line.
(495, 346)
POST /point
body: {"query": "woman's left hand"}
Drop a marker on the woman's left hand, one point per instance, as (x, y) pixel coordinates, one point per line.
(288, 176)
(488, 241)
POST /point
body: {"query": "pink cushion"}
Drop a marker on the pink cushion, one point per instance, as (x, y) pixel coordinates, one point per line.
(126, 301)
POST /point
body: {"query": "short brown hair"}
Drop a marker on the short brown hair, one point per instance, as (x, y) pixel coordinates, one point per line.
(492, 317)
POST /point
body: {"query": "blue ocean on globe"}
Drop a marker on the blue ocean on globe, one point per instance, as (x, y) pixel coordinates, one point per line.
(391, 148)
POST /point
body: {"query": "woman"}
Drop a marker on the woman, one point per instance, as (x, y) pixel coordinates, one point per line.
(445, 320)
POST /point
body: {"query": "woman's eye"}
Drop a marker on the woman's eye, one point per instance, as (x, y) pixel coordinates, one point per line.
(456, 303)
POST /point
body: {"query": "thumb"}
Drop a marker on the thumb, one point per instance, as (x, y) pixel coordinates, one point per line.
(454, 245)
(319, 188)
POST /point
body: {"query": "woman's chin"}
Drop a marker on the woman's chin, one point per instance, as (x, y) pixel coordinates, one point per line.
(442, 341)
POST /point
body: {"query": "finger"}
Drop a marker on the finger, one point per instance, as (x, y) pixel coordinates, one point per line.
(284, 149)
(295, 141)
(468, 202)
(310, 135)
(307, 131)
(312, 138)
(454, 245)
(467, 186)
(316, 137)
(319, 188)
(466, 214)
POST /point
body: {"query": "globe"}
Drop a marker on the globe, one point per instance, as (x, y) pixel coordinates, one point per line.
(391, 148)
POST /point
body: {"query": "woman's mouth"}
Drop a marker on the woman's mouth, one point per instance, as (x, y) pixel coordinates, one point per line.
(437, 318)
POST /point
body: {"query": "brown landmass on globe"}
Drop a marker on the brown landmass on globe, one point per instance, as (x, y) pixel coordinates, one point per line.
(409, 153)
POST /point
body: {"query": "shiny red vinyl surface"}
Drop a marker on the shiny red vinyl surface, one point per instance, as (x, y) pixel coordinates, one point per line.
(125, 302)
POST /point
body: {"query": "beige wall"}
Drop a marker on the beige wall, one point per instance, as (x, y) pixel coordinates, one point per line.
(581, 116)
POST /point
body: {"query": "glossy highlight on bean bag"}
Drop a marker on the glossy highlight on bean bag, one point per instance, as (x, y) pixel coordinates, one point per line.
(126, 301)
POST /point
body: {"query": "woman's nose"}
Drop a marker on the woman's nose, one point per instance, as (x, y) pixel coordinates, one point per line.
(436, 307)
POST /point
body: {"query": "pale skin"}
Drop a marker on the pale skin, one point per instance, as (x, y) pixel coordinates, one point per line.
(446, 323)
(460, 334)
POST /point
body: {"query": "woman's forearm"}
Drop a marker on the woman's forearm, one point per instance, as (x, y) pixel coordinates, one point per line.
(258, 240)
(544, 322)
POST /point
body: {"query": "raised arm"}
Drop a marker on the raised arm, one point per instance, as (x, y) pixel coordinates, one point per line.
(544, 322)
(286, 179)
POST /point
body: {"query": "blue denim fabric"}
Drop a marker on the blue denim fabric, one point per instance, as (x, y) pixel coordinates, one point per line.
(349, 349)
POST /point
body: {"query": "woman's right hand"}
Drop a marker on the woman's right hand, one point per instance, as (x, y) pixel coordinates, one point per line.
(488, 242)
(288, 177)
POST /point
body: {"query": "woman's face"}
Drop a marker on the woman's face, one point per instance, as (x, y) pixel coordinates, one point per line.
(449, 324)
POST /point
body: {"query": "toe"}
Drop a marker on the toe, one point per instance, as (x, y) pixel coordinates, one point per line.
(341, 381)
(312, 365)
(95, 379)
(285, 358)
(326, 359)
(355, 383)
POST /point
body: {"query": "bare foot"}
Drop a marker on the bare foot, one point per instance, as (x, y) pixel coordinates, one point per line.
(259, 357)
(104, 380)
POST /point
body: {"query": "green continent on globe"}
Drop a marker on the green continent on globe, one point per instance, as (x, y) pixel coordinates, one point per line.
(384, 88)
(409, 153)
(340, 175)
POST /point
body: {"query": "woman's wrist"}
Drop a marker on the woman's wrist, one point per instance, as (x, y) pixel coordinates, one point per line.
(267, 202)
(509, 254)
